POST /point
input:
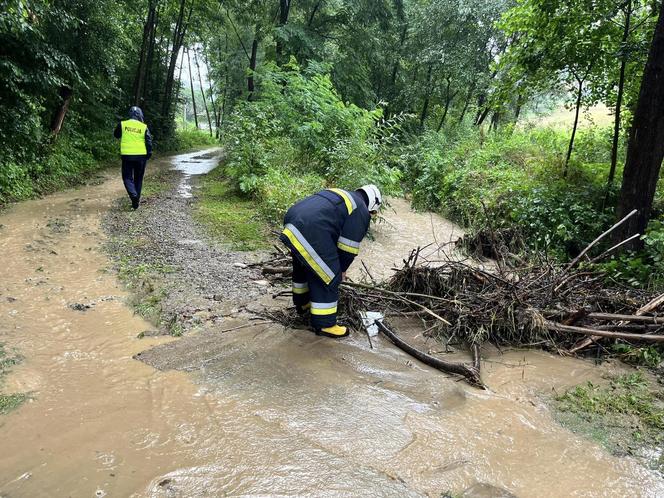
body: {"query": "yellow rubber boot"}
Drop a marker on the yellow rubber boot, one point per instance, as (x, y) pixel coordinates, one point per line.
(335, 332)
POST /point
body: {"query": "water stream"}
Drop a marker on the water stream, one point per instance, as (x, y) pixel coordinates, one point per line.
(260, 411)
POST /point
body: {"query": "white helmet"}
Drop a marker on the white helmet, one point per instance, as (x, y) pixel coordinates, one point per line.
(373, 194)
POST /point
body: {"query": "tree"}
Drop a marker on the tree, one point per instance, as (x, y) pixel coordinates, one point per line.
(645, 150)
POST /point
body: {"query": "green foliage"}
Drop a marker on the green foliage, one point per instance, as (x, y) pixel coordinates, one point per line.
(186, 139)
(645, 268)
(8, 401)
(228, 216)
(649, 356)
(71, 160)
(627, 403)
(299, 136)
(514, 178)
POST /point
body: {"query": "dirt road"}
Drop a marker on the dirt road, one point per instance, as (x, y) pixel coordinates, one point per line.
(262, 410)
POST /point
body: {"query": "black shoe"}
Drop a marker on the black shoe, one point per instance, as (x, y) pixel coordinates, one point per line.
(134, 203)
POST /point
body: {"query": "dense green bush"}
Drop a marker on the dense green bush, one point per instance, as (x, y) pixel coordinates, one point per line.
(515, 179)
(298, 136)
(68, 161)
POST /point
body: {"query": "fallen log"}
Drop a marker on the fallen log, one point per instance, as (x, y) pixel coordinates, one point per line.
(277, 270)
(557, 327)
(471, 373)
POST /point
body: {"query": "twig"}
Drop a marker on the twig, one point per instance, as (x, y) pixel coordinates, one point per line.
(592, 244)
(245, 326)
(611, 249)
(368, 272)
(433, 314)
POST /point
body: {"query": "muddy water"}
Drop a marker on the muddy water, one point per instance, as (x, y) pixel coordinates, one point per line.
(399, 230)
(194, 164)
(261, 410)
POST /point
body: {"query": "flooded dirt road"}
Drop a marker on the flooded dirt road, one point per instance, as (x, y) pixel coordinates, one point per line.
(260, 410)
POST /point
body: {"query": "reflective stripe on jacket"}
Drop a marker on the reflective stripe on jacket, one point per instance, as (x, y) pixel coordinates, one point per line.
(325, 231)
(132, 142)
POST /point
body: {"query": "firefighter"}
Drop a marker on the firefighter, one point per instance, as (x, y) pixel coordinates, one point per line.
(323, 233)
(135, 150)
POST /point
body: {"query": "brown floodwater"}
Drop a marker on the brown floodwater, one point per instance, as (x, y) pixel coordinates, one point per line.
(261, 410)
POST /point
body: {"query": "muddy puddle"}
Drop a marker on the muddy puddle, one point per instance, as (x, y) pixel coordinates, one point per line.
(259, 410)
(194, 164)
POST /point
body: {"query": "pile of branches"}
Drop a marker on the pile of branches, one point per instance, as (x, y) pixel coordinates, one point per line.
(562, 307)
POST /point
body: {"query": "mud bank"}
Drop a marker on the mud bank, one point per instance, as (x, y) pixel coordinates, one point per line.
(258, 410)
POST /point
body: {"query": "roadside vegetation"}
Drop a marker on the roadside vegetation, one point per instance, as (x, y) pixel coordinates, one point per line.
(8, 401)
(625, 415)
(228, 216)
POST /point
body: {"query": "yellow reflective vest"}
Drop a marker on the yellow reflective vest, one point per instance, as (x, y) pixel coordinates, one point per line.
(132, 142)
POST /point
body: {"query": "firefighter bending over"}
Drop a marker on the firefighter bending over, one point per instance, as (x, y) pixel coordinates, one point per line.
(323, 233)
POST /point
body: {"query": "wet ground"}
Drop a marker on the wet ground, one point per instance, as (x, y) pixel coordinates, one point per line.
(259, 410)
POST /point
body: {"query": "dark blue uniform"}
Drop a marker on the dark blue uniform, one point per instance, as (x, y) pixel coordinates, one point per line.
(323, 232)
(133, 167)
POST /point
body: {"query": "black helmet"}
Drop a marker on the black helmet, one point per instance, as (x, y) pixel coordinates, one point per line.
(136, 113)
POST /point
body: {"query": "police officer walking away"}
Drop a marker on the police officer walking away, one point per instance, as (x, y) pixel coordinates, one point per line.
(323, 233)
(135, 150)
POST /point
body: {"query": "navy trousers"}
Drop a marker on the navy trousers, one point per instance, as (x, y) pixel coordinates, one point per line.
(311, 294)
(132, 176)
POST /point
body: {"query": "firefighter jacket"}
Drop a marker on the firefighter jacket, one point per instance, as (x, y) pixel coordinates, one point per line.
(325, 230)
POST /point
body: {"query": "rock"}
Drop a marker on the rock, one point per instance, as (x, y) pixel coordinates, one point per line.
(482, 490)
(11, 299)
(80, 306)
(150, 333)
(239, 265)
(218, 297)
(262, 283)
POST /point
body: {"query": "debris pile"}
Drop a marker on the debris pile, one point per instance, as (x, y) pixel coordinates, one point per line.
(559, 307)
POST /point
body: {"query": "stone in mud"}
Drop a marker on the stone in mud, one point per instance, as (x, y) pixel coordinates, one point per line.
(80, 306)
(150, 333)
(218, 297)
(482, 490)
(11, 299)
(239, 265)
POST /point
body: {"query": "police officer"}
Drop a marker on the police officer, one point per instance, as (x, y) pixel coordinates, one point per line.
(135, 150)
(323, 233)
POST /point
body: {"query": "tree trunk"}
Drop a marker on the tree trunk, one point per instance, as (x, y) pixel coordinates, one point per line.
(621, 87)
(448, 101)
(467, 103)
(139, 80)
(576, 123)
(191, 85)
(149, 63)
(65, 94)
(200, 83)
(425, 106)
(645, 150)
(313, 13)
(178, 39)
(222, 114)
(252, 66)
(177, 90)
(284, 8)
(215, 112)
